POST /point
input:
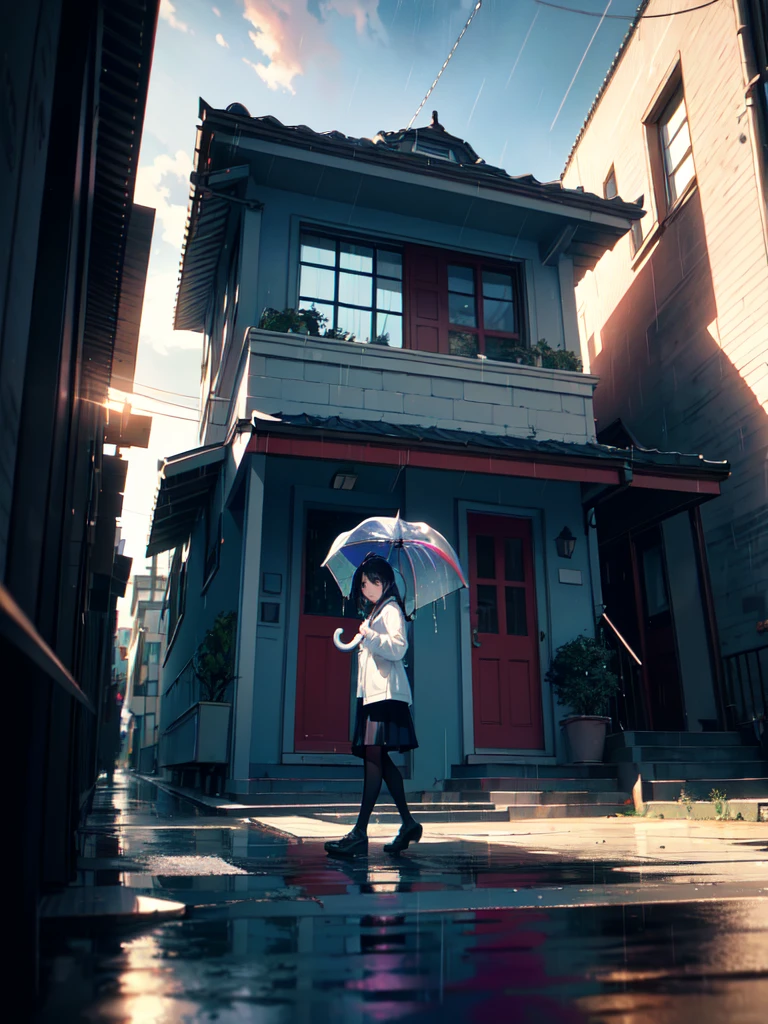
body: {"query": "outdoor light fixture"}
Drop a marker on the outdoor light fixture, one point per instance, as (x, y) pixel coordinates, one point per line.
(344, 480)
(565, 543)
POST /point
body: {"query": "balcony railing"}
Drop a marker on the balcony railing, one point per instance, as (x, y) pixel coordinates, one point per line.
(628, 708)
(745, 681)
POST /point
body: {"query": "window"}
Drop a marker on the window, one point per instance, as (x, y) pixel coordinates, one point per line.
(482, 311)
(212, 530)
(675, 143)
(152, 653)
(176, 591)
(357, 286)
(636, 233)
(433, 148)
(610, 189)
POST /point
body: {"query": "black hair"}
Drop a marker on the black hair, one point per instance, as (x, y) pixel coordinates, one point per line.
(378, 570)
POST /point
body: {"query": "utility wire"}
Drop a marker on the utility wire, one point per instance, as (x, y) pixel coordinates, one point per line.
(181, 394)
(624, 17)
(430, 90)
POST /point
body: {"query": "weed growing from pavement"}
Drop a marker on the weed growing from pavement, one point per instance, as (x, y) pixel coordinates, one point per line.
(719, 800)
(686, 801)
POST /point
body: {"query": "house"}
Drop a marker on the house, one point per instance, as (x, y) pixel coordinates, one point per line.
(674, 322)
(426, 392)
(143, 693)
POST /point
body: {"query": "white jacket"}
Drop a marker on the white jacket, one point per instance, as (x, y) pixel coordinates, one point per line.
(380, 671)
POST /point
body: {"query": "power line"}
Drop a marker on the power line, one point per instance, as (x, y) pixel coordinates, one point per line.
(180, 394)
(167, 415)
(430, 90)
(624, 17)
(164, 401)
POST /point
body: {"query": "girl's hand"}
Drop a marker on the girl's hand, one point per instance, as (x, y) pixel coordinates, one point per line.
(364, 629)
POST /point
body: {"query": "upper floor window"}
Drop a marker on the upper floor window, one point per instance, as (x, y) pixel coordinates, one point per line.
(610, 188)
(358, 287)
(676, 151)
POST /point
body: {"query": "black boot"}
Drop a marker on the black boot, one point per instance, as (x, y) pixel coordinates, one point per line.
(349, 846)
(410, 833)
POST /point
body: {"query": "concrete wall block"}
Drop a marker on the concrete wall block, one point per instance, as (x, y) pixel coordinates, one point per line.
(383, 401)
(442, 388)
(306, 391)
(257, 365)
(474, 412)
(510, 416)
(419, 406)
(344, 397)
(555, 424)
(487, 393)
(323, 373)
(292, 369)
(545, 400)
(409, 384)
(574, 404)
(368, 379)
(265, 387)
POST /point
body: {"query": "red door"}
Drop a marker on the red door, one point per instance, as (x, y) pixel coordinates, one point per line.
(324, 674)
(505, 660)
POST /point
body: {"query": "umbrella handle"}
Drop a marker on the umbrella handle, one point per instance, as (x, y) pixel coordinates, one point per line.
(353, 643)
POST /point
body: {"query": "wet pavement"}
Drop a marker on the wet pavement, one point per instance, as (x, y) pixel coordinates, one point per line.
(615, 921)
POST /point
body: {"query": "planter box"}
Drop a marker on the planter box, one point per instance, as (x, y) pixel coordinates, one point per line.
(199, 736)
(586, 737)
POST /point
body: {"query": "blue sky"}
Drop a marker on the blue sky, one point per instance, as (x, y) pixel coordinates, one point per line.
(356, 66)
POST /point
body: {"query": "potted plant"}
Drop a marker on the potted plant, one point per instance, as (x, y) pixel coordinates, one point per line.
(214, 666)
(581, 677)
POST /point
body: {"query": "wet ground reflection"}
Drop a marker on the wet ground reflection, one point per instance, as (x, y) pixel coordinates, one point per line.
(258, 944)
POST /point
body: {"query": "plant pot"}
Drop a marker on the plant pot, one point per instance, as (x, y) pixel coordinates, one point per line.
(586, 737)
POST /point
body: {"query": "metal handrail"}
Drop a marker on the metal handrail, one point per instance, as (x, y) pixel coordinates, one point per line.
(621, 638)
(21, 632)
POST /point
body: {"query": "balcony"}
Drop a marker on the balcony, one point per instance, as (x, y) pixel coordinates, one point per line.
(290, 373)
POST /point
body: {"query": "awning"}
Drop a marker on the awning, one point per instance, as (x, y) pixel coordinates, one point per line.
(186, 482)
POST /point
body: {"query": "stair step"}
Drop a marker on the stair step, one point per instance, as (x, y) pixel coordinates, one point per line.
(511, 784)
(349, 808)
(576, 797)
(750, 810)
(649, 738)
(690, 770)
(257, 787)
(523, 811)
(699, 789)
(531, 771)
(704, 755)
(425, 817)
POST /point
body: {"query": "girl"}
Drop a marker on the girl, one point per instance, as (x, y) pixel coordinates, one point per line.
(383, 719)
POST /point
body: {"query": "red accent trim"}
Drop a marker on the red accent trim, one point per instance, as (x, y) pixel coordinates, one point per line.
(675, 483)
(386, 455)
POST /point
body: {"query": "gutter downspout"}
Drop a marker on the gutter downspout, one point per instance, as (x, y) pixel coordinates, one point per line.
(752, 77)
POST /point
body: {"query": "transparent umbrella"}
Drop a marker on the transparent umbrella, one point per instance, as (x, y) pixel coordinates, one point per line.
(422, 557)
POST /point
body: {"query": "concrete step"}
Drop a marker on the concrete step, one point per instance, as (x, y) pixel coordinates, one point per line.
(733, 810)
(557, 798)
(699, 789)
(257, 787)
(317, 772)
(704, 755)
(648, 738)
(425, 817)
(350, 808)
(512, 784)
(531, 771)
(690, 770)
(521, 812)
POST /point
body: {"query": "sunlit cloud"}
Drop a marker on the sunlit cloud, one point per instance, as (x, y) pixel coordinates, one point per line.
(287, 33)
(222, 41)
(216, 11)
(168, 13)
(157, 315)
(151, 191)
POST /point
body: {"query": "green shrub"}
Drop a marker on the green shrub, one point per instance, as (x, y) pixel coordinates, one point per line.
(581, 677)
(214, 660)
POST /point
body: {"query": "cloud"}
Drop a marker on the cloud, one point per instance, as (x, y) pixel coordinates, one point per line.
(216, 11)
(168, 13)
(222, 41)
(150, 191)
(157, 315)
(281, 28)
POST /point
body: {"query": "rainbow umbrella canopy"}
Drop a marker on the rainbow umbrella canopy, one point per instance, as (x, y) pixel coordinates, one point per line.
(422, 557)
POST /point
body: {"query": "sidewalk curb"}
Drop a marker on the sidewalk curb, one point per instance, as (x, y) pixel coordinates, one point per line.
(208, 803)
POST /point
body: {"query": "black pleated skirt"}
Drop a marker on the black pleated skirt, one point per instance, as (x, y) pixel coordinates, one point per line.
(385, 723)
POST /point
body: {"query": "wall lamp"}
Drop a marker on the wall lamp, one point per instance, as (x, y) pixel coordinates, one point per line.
(565, 543)
(344, 480)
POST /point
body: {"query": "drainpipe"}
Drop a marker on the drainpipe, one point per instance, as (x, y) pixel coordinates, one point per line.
(751, 75)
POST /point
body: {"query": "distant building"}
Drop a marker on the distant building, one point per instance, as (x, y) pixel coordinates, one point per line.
(141, 707)
(674, 322)
(426, 391)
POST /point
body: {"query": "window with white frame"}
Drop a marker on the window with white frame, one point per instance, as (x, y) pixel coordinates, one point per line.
(356, 285)
(675, 146)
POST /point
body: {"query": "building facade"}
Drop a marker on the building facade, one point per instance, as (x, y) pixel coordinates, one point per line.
(425, 391)
(674, 321)
(143, 692)
(72, 268)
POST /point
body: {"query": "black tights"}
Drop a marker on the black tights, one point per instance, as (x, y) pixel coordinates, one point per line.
(379, 765)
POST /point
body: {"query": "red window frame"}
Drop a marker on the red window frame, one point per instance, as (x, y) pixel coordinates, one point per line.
(428, 324)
